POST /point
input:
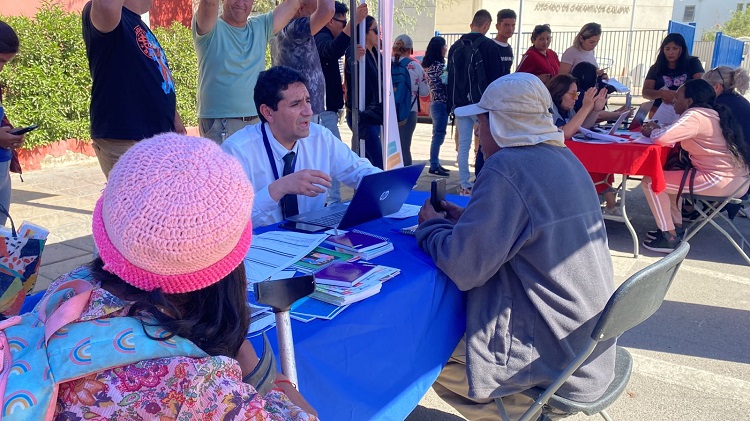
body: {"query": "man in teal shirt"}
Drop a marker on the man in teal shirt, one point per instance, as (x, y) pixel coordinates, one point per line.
(231, 53)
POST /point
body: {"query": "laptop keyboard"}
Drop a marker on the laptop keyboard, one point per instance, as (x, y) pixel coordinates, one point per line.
(329, 220)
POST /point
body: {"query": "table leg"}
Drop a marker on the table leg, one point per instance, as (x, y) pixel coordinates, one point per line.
(623, 188)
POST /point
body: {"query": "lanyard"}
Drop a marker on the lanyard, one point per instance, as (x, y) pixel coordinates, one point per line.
(272, 161)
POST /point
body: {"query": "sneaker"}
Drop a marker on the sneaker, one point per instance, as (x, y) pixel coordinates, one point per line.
(464, 191)
(439, 172)
(691, 216)
(614, 214)
(653, 235)
(664, 244)
(443, 168)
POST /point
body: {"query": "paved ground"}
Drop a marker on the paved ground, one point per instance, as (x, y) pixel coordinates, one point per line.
(692, 358)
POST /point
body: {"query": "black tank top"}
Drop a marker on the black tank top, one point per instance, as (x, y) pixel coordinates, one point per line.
(132, 92)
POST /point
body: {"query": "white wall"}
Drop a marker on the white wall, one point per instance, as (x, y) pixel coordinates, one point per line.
(708, 13)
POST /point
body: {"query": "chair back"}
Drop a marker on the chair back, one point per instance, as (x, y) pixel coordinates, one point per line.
(639, 296)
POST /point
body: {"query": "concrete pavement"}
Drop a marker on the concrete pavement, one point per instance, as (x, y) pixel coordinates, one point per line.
(692, 358)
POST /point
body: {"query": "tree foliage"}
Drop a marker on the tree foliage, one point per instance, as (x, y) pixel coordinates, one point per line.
(737, 26)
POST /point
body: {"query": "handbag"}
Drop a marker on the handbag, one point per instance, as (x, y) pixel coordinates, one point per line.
(679, 159)
(20, 258)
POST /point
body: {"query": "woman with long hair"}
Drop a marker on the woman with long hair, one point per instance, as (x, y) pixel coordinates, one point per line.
(172, 228)
(434, 64)
(401, 53)
(8, 142)
(370, 118)
(565, 91)
(709, 133)
(582, 49)
(539, 59)
(673, 67)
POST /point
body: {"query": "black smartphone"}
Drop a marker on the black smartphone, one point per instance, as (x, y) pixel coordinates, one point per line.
(21, 130)
(301, 227)
(437, 193)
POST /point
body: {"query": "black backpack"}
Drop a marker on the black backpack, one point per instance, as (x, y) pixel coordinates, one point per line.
(466, 77)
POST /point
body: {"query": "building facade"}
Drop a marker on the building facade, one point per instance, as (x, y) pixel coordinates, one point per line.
(708, 15)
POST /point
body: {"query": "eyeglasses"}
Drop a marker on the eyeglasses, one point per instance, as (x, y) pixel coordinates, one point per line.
(375, 30)
(716, 69)
(342, 21)
(574, 95)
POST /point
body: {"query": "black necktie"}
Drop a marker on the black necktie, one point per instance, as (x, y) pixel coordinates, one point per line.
(289, 201)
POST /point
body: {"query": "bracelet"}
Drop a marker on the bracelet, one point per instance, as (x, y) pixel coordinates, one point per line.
(285, 381)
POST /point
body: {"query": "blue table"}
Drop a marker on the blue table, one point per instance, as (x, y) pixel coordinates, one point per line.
(381, 355)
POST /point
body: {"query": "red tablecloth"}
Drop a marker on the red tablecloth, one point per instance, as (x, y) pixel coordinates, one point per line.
(623, 158)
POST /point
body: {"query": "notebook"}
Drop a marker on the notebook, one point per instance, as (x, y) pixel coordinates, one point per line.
(378, 194)
(345, 274)
(357, 241)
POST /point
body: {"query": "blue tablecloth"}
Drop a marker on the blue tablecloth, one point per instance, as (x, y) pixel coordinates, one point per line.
(380, 356)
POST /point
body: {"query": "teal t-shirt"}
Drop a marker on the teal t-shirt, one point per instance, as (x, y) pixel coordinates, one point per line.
(229, 62)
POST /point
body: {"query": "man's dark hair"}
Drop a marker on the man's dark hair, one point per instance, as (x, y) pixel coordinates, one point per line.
(270, 84)
(215, 318)
(8, 39)
(481, 18)
(506, 14)
(340, 8)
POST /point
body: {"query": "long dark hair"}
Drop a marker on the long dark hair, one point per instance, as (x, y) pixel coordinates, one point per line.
(662, 64)
(703, 95)
(215, 318)
(434, 52)
(558, 86)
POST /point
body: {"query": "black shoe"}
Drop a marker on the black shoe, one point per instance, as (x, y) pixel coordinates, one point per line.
(664, 244)
(439, 171)
(653, 235)
(443, 168)
(691, 216)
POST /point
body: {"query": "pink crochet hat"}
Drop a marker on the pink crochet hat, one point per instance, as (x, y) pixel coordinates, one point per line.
(175, 215)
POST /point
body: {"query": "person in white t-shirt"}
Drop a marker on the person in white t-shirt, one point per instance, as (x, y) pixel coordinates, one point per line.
(288, 159)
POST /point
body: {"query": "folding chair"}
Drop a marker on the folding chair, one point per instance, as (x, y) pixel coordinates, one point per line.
(633, 302)
(709, 207)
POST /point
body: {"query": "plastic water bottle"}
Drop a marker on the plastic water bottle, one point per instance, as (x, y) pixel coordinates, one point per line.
(5, 154)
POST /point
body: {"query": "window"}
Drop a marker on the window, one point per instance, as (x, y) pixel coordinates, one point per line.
(689, 15)
(740, 6)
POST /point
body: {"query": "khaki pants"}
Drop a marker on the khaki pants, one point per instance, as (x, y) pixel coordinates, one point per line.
(108, 151)
(219, 129)
(453, 387)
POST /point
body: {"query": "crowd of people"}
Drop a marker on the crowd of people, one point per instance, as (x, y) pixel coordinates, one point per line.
(271, 149)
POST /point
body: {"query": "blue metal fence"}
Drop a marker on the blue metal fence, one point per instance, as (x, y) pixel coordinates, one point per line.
(727, 51)
(686, 30)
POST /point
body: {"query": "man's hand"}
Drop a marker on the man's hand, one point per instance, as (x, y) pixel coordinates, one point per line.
(9, 141)
(179, 127)
(304, 182)
(452, 212)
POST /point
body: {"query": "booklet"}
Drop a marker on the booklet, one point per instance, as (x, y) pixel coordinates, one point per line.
(345, 274)
(357, 241)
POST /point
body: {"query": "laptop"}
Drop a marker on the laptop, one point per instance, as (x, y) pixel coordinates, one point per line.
(640, 116)
(378, 195)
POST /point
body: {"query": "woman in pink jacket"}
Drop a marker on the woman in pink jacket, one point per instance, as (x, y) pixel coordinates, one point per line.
(713, 139)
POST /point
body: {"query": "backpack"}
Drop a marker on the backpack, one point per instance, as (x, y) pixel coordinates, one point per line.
(44, 348)
(466, 77)
(402, 89)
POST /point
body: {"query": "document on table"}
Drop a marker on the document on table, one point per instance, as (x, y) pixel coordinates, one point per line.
(406, 211)
(589, 136)
(274, 251)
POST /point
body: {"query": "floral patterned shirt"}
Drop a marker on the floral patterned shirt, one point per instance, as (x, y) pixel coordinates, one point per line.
(176, 388)
(436, 80)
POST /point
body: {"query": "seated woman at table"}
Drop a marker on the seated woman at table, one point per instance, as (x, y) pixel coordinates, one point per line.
(673, 67)
(564, 92)
(586, 76)
(708, 132)
(539, 59)
(172, 228)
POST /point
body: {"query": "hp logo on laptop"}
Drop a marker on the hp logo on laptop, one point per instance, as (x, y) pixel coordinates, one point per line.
(384, 195)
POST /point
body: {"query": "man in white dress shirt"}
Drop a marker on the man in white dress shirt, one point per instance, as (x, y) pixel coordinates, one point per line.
(288, 159)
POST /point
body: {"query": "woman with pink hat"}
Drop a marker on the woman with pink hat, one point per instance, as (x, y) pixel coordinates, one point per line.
(155, 327)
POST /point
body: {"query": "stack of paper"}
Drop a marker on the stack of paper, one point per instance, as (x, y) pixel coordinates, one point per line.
(366, 287)
(359, 243)
(320, 258)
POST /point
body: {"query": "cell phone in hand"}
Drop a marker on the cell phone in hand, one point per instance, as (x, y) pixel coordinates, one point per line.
(22, 130)
(437, 194)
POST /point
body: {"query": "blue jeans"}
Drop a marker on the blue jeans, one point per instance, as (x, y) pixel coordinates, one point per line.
(330, 120)
(371, 135)
(465, 136)
(439, 114)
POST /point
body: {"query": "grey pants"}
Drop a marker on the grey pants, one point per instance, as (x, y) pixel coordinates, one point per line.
(219, 129)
